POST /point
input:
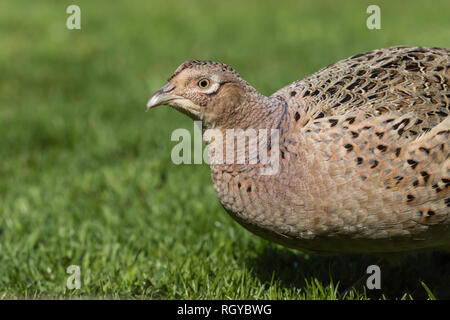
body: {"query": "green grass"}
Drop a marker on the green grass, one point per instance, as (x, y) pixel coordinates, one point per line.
(86, 177)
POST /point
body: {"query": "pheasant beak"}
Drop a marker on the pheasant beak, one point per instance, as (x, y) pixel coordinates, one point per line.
(162, 96)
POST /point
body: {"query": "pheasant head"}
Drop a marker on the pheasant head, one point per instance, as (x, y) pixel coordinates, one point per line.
(209, 91)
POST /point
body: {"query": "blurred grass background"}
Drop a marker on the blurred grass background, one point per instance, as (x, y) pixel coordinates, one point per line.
(86, 177)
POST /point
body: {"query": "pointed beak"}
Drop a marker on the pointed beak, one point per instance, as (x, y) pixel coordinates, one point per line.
(162, 96)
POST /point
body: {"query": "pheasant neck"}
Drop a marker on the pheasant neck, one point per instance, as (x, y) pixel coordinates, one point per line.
(250, 186)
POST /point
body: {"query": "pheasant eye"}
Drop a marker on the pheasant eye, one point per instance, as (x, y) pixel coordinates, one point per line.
(204, 83)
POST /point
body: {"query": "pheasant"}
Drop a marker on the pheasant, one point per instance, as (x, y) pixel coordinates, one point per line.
(363, 150)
